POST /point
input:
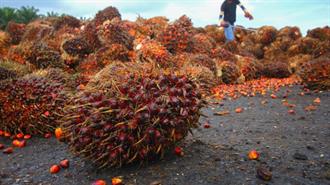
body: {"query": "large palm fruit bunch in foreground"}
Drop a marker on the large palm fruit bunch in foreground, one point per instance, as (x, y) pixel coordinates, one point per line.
(138, 118)
(203, 44)
(176, 36)
(228, 71)
(42, 56)
(315, 74)
(30, 104)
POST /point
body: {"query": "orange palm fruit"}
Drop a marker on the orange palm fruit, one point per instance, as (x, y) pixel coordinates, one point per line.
(58, 133)
(54, 169)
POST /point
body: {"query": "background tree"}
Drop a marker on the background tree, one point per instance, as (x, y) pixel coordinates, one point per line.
(7, 14)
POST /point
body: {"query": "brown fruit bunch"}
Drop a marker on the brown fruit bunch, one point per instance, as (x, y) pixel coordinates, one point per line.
(108, 13)
(6, 74)
(42, 56)
(205, 61)
(229, 72)
(66, 21)
(15, 31)
(222, 54)
(322, 34)
(315, 74)
(202, 44)
(153, 51)
(76, 47)
(113, 52)
(111, 32)
(36, 31)
(266, 35)
(138, 118)
(292, 33)
(249, 67)
(4, 44)
(24, 101)
(19, 53)
(216, 33)
(90, 66)
(305, 45)
(89, 34)
(176, 37)
(276, 69)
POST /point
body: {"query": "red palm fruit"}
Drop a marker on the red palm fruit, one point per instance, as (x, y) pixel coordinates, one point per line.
(99, 182)
(54, 169)
(8, 150)
(16, 143)
(2, 132)
(64, 163)
(48, 135)
(178, 151)
(20, 136)
(2, 146)
(27, 136)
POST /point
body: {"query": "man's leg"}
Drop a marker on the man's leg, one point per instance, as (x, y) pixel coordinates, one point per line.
(229, 33)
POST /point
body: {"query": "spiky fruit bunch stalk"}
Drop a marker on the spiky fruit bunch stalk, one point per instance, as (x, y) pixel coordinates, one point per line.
(111, 32)
(108, 13)
(30, 105)
(154, 51)
(137, 120)
(15, 31)
(176, 37)
(203, 44)
(266, 35)
(229, 72)
(42, 56)
(322, 34)
(276, 69)
(66, 21)
(315, 74)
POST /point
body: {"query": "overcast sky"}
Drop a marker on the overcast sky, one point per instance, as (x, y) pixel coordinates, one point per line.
(306, 14)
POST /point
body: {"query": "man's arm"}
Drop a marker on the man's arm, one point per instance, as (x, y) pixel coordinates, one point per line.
(247, 13)
(221, 16)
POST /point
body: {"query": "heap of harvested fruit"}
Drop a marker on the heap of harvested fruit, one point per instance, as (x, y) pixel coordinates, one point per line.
(15, 31)
(138, 118)
(24, 102)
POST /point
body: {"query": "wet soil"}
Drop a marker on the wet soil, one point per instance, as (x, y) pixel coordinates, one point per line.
(295, 148)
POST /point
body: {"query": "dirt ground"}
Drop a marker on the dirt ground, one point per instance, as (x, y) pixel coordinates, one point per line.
(296, 148)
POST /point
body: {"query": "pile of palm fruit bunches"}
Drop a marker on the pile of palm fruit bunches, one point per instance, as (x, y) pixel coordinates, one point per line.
(125, 91)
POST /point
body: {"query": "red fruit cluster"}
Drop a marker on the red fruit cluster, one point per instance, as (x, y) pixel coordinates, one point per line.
(202, 43)
(77, 47)
(24, 101)
(66, 21)
(108, 13)
(139, 118)
(176, 37)
(15, 31)
(42, 56)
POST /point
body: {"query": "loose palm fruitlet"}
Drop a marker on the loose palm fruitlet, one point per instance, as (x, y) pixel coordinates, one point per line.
(108, 13)
(138, 119)
(315, 74)
(25, 101)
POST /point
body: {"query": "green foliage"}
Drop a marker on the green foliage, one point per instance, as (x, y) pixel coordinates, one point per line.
(22, 15)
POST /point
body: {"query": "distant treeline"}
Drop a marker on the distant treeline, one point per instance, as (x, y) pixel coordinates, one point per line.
(24, 14)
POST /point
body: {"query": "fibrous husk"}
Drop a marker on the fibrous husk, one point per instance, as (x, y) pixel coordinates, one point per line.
(89, 34)
(139, 118)
(66, 21)
(36, 30)
(202, 44)
(216, 33)
(275, 69)
(176, 36)
(250, 67)
(228, 71)
(15, 31)
(315, 74)
(42, 56)
(154, 51)
(30, 105)
(108, 13)
(322, 34)
(296, 61)
(292, 33)
(305, 45)
(111, 32)
(266, 35)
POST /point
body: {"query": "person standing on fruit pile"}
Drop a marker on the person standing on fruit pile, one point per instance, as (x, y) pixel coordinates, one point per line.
(227, 17)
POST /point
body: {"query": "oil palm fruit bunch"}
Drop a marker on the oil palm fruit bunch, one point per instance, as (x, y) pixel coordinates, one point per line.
(154, 51)
(266, 35)
(42, 56)
(30, 104)
(15, 68)
(203, 60)
(203, 44)
(15, 31)
(36, 31)
(291, 32)
(89, 66)
(74, 50)
(304, 45)
(137, 119)
(66, 21)
(6, 74)
(113, 52)
(249, 67)
(276, 69)
(89, 34)
(108, 13)
(176, 37)
(229, 72)
(217, 34)
(111, 32)
(4, 44)
(322, 34)
(222, 54)
(20, 53)
(315, 74)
